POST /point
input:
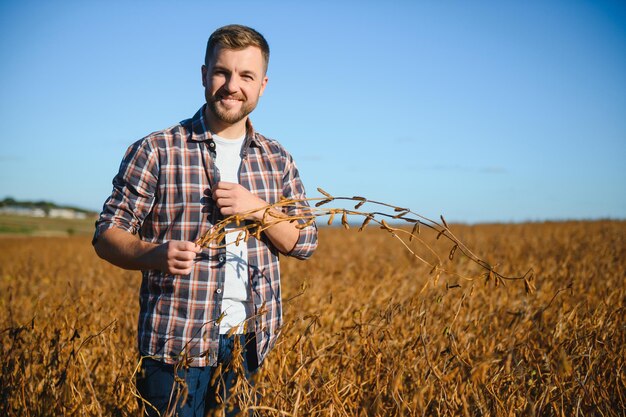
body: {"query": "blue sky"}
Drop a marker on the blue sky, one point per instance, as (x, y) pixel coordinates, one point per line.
(481, 111)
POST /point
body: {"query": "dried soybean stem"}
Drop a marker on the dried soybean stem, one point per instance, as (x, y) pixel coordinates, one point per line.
(299, 210)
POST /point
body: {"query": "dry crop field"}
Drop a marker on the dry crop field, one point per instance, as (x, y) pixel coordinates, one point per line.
(369, 331)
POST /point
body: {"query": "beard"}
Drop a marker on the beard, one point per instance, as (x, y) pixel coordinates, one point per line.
(230, 116)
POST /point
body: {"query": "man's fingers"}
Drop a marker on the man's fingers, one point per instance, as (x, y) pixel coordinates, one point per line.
(224, 189)
(184, 246)
(224, 202)
(177, 257)
(180, 267)
(232, 198)
(217, 194)
(192, 247)
(227, 211)
(181, 264)
(225, 185)
(185, 256)
(221, 194)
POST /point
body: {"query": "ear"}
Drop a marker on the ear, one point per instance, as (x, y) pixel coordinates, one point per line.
(204, 73)
(263, 85)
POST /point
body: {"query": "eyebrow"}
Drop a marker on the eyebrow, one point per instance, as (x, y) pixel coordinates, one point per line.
(244, 72)
(219, 67)
(248, 72)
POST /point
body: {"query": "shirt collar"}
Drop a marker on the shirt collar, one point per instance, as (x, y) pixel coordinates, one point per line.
(201, 133)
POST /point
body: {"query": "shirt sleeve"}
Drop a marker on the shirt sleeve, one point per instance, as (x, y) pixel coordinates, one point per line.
(294, 189)
(133, 192)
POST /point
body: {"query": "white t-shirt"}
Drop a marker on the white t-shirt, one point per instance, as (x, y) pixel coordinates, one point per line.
(236, 301)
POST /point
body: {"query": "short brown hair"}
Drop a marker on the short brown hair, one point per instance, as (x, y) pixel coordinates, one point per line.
(236, 37)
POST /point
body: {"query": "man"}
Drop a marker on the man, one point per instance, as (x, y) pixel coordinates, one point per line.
(198, 305)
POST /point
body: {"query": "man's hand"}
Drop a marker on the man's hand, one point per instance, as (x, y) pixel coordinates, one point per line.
(175, 257)
(128, 251)
(233, 199)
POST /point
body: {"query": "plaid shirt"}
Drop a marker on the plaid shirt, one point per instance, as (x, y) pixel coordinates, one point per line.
(163, 192)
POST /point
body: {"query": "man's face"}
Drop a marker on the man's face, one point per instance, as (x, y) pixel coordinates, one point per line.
(233, 82)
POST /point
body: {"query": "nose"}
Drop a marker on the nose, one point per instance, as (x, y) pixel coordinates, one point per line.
(232, 84)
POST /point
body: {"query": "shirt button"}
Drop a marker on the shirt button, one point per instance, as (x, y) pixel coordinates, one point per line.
(219, 290)
(221, 258)
(216, 324)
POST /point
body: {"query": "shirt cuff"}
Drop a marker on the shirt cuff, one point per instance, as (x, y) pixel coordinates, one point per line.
(306, 244)
(102, 226)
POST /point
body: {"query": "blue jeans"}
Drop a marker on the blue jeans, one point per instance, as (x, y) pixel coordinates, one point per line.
(163, 396)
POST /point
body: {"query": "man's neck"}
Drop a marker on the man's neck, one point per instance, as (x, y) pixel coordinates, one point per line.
(225, 130)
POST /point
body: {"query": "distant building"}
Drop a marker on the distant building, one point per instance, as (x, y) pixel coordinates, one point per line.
(23, 211)
(66, 214)
(57, 213)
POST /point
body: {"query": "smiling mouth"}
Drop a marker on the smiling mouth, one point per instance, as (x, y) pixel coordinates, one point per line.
(226, 98)
(229, 101)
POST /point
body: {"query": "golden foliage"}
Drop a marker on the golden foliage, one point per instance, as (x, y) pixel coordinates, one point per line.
(368, 330)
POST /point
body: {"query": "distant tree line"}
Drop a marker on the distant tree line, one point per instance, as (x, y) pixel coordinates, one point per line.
(44, 205)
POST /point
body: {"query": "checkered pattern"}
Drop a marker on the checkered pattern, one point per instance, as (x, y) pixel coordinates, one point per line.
(163, 192)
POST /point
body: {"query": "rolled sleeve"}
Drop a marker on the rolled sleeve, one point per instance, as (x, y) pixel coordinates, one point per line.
(133, 192)
(307, 243)
(294, 189)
